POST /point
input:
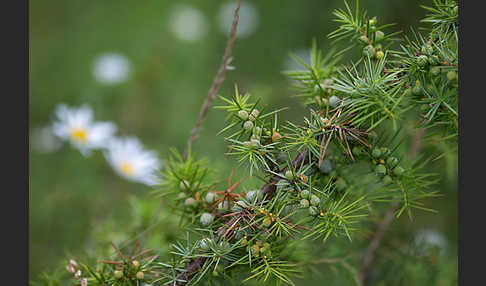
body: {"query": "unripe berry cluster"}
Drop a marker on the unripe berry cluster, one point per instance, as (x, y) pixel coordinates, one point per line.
(130, 270)
(371, 41)
(386, 165)
(310, 201)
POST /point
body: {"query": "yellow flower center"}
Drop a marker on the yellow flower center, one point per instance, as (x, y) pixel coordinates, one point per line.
(127, 168)
(79, 135)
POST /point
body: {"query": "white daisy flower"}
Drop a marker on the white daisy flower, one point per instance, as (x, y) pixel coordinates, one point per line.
(77, 126)
(131, 161)
(111, 68)
(427, 238)
(188, 23)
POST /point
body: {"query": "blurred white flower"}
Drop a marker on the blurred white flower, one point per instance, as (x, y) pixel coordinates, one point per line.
(131, 161)
(426, 238)
(249, 18)
(111, 68)
(44, 140)
(188, 23)
(77, 126)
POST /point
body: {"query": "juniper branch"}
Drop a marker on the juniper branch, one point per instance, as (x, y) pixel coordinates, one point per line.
(268, 190)
(384, 224)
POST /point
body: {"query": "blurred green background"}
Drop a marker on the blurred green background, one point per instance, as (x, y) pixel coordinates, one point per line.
(170, 51)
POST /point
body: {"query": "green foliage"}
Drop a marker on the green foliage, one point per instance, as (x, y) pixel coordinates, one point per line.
(323, 177)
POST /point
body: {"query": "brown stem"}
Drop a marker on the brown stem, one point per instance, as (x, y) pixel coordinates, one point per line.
(375, 242)
(218, 80)
(416, 142)
(207, 103)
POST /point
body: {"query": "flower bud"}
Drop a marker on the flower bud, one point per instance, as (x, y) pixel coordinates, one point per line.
(139, 275)
(372, 21)
(384, 151)
(70, 268)
(190, 202)
(313, 210)
(380, 169)
(305, 194)
(118, 274)
(334, 101)
(244, 241)
(304, 203)
(243, 114)
(325, 121)
(387, 180)
(369, 51)
(210, 197)
(398, 171)
(288, 175)
(276, 136)
(206, 219)
(416, 90)
(248, 125)
(84, 282)
(379, 55)
(376, 153)
(205, 243)
(267, 221)
(255, 248)
(135, 263)
(73, 263)
(422, 60)
(392, 161)
(184, 185)
(363, 39)
(379, 35)
(315, 201)
(254, 142)
(255, 113)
